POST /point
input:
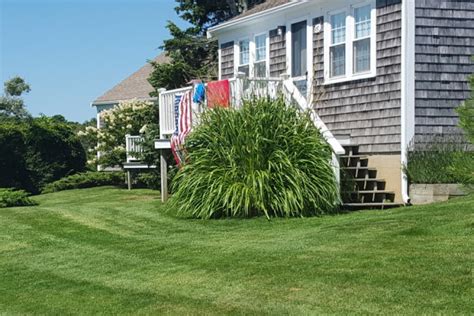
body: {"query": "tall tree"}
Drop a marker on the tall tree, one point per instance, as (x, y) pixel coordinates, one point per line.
(193, 54)
(11, 103)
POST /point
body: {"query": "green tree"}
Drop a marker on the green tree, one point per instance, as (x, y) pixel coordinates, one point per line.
(193, 55)
(11, 104)
(36, 151)
(466, 113)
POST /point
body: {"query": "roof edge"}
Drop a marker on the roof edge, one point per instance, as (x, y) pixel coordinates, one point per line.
(98, 103)
(212, 31)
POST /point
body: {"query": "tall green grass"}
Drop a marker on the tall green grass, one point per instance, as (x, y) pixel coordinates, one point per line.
(263, 159)
(441, 159)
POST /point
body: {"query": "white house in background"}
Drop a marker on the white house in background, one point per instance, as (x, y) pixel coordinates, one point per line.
(135, 86)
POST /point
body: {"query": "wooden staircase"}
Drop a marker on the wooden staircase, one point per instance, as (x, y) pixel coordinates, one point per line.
(360, 187)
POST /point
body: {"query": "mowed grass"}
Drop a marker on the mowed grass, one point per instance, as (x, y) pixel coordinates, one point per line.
(112, 251)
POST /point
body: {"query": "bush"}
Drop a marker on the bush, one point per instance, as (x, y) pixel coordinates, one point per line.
(85, 180)
(11, 197)
(440, 160)
(263, 159)
(38, 151)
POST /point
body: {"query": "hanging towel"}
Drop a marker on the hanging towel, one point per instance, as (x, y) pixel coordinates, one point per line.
(199, 93)
(218, 94)
(183, 120)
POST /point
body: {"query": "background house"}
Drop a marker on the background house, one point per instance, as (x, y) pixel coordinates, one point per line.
(135, 86)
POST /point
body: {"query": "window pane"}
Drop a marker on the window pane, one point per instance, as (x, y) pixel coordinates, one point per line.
(244, 52)
(260, 69)
(362, 55)
(338, 28)
(261, 47)
(362, 21)
(245, 70)
(338, 60)
(298, 49)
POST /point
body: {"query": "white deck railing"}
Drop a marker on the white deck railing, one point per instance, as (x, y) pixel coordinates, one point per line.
(133, 147)
(241, 89)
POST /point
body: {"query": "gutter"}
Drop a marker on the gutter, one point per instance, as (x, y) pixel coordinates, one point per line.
(111, 102)
(407, 110)
(252, 17)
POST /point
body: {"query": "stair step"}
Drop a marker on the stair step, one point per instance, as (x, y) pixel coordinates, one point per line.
(380, 205)
(361, 172)
(354, 156)
(372, 192)
(363, 180)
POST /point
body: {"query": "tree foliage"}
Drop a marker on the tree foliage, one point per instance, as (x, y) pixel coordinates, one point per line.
(132, 117)
(36, 151)
(11, 103)
(193, 55)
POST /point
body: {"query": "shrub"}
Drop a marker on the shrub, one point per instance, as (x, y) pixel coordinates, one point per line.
(85, 180)
(440, 160)
(38, 151)
(11, 197)
(263, 159)
(134, 117)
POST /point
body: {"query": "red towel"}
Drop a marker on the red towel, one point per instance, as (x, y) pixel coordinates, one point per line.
(218, 94)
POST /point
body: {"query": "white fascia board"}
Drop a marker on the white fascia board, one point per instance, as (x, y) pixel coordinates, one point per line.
(407, 88)
(229, 25)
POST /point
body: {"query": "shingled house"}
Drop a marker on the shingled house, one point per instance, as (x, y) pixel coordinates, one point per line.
(380, 73)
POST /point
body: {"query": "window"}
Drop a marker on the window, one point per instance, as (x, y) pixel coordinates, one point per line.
(298, 49)
(244, 56)
(362, 39)
(350, 43)
(260, 64)
(338, 45)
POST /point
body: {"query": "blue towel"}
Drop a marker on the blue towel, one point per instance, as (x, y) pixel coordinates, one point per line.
(199, 93)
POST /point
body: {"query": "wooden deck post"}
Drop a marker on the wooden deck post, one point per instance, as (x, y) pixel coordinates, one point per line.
(164, 176)
(129, 180)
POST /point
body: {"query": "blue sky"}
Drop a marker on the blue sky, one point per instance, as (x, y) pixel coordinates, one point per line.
(71, 51)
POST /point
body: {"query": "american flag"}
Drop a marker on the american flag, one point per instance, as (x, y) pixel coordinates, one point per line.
(183, 121)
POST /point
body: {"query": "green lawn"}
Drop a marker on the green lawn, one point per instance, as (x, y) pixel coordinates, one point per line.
(111, 251)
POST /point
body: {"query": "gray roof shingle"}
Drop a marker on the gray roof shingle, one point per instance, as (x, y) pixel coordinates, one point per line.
(135, 86)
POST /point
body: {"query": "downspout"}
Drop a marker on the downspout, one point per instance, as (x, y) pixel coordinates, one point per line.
(407, 111)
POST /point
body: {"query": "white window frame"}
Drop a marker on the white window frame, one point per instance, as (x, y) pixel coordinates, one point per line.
(267, 53)
(350, 38)
(238, 51)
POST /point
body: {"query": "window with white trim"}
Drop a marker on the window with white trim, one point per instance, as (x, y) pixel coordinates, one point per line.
(260, 64)
(361, 42)
(244, 56)
(350, 51)
(337, 51)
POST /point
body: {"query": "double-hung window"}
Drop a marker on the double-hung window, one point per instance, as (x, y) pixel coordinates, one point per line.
(361, 43)
(260, 64)
(337, 50)
(350, 43)
(244, 56)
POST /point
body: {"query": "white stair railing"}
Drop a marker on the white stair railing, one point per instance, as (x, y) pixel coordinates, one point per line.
(133, 147)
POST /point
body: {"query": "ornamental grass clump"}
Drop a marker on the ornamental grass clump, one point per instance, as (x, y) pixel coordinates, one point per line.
(262, 159)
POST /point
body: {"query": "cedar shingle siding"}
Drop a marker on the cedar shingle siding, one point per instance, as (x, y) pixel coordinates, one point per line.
(367, 110)
(227, 60)
(444, 46)
(277, 52)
